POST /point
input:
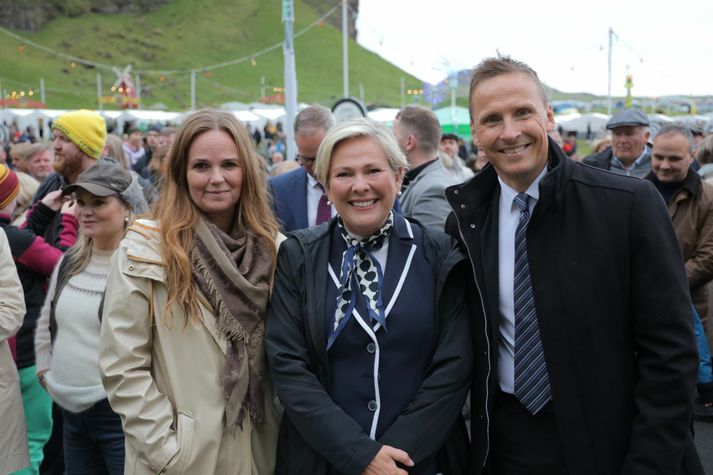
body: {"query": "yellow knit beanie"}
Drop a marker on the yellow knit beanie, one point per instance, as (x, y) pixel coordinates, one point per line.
(85, 128)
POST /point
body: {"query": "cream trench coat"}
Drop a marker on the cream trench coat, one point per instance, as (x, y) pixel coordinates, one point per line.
(165, 381)
(13, 434)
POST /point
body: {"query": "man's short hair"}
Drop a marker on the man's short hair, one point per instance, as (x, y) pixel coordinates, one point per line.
(497, 66)
(313, 118)
(670, 129)
(167, 131)
(704, 154)
(423, 124)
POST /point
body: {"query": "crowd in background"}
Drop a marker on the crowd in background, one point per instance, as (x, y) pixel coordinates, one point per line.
(114, 368)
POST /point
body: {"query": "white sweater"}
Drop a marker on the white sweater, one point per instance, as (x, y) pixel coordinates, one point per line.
(74, 379)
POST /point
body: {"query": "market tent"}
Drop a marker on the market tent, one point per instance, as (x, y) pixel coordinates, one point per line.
(454, 120)
(385, 115)
(38, 119)
(593, 123)
(246, 116)
(272, 114)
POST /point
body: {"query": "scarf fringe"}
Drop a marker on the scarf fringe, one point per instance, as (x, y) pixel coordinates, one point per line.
(232, 333)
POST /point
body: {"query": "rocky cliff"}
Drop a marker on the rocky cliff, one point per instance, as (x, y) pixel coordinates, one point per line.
(31, 15)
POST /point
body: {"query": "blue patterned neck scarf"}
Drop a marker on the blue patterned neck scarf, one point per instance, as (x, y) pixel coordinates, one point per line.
(361, 274)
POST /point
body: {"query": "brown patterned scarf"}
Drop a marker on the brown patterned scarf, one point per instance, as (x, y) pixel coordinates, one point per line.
(233, 272)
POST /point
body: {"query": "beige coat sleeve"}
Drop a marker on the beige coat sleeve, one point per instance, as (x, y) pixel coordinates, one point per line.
(12, 298)
(43, 340)
(125, 362)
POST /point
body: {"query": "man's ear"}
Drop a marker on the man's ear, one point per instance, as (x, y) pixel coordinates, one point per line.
(550, 118)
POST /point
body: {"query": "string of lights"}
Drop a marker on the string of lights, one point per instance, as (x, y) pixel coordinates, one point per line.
(166, 72)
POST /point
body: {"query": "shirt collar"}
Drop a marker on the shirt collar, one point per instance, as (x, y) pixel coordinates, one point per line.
(312, 182)
(636, 163)
(508, 193)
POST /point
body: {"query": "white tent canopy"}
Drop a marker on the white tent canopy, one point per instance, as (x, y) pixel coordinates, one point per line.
(593, 123)
(387, 115)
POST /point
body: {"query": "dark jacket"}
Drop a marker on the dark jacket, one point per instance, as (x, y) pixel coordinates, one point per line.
(316, 436)
(691, 211)
(35, 260)
(289, 199)
(603, 159)
(614, 312)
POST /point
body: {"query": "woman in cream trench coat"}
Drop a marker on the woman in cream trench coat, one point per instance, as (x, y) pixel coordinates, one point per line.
(13, 435)
(166, 375)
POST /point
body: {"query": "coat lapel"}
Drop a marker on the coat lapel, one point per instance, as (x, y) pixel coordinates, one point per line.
(209, 322)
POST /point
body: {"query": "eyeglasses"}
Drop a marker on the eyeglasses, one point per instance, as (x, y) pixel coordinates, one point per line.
(305, 160)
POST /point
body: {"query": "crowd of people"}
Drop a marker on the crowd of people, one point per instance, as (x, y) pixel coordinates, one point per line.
(189, 300)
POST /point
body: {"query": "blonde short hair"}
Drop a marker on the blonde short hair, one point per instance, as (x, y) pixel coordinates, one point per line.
(350, 129)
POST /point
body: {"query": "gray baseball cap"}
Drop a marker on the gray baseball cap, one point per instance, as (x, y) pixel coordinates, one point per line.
(103, 179)
(628, 118)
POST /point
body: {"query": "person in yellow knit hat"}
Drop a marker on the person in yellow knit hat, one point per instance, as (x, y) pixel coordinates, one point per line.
(78, 138)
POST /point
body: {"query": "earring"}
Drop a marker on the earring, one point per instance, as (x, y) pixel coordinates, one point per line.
(126, 220)
(329, 203)
(398, 193)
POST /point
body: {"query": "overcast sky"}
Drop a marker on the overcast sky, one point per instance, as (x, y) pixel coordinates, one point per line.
(565, 41)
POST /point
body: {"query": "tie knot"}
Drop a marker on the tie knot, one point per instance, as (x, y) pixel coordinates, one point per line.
(522, 201)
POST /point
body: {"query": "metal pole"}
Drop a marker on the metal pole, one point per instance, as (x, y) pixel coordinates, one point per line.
(403, 92)
(288, 18)
(2, 96)
(611, 34)
(99, 92)
(262, 87)
(138, 89)
(193, 90)
(345, 47)
(361, 93)
(42, 90)
(453, 82)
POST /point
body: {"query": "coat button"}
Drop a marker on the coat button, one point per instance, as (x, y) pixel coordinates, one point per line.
(462, 205)
(131, 266)
(372, 406)
(455, 192)
(472, 226)
(371, 347)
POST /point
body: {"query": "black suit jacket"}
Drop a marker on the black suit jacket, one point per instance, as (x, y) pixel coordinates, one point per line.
(614, 312)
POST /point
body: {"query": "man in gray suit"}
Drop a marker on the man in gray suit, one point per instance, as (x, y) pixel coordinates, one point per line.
(418, 133)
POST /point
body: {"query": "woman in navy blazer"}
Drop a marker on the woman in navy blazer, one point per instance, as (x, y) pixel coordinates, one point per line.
(367, 331)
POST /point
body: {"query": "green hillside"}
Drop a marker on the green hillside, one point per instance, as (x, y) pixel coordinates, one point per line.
(190, 34)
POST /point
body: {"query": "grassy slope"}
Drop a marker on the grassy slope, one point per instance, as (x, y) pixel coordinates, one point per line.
(192, 33)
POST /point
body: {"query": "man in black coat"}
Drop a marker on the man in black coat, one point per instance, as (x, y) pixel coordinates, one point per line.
(585, 353)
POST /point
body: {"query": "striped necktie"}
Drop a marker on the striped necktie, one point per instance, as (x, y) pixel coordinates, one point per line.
(532, 386)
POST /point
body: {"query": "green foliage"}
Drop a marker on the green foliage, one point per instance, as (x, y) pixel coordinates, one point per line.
(190, 34)
(73, 8)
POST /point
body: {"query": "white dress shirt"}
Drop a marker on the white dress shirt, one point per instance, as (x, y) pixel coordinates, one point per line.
(314, 193)
(508, 219)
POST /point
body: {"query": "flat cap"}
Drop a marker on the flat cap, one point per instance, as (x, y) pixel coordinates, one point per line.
(628, 118)
(709, 127)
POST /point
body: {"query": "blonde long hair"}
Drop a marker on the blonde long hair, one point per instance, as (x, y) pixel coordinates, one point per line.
(178, 215)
